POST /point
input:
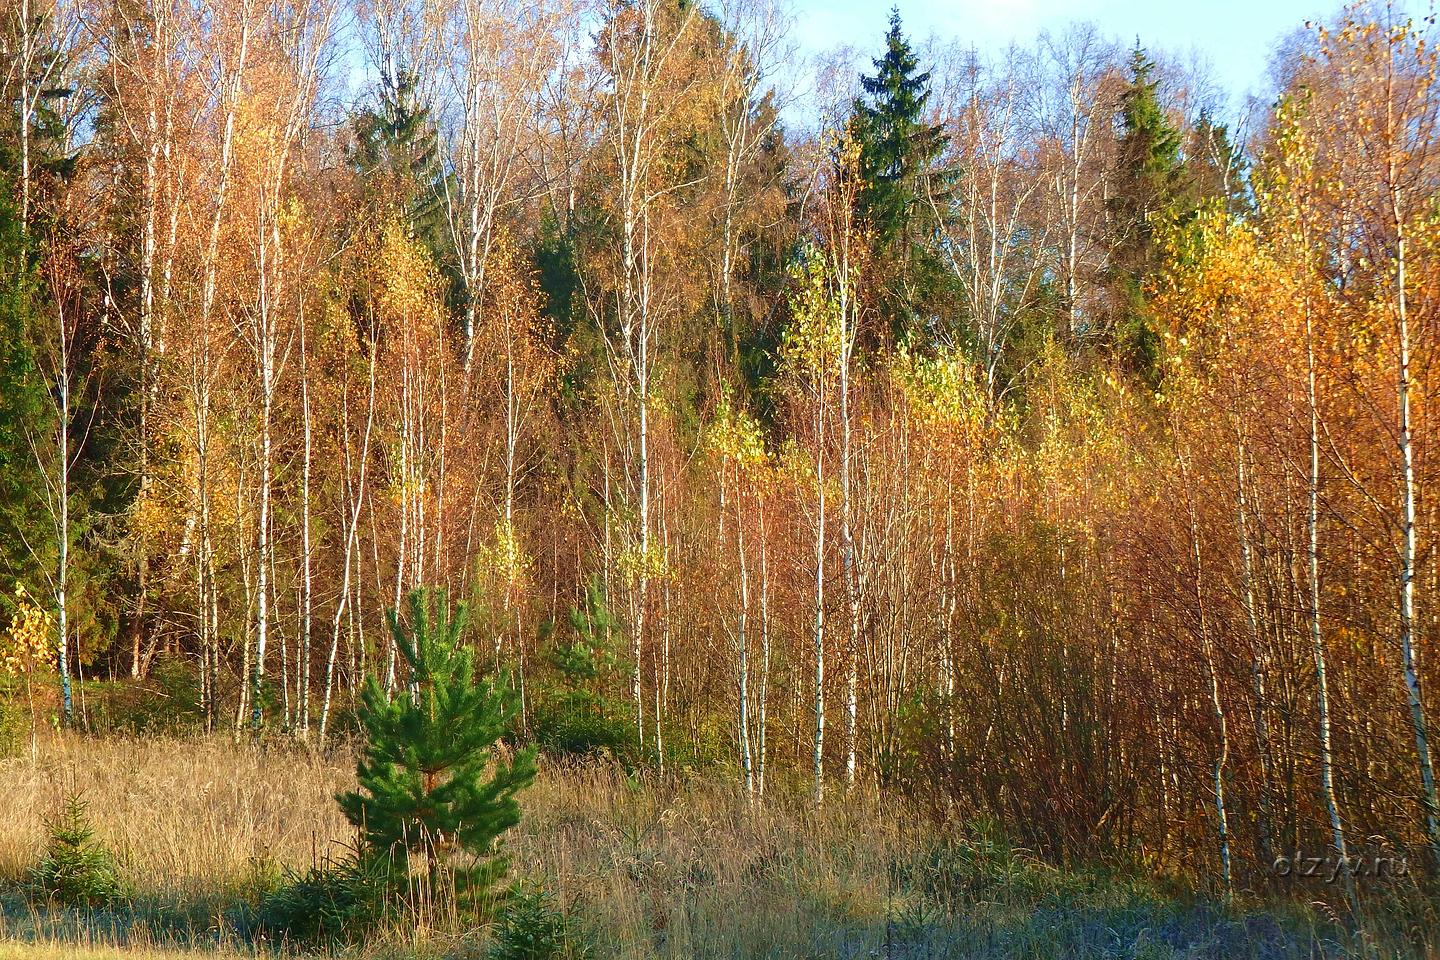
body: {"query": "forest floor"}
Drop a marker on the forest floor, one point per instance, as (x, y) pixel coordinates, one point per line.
(202, 827)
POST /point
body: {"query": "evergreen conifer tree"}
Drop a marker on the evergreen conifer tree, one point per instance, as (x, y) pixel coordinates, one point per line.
(897, 147)
(24, 408)
(27, 545)
(396, 136)
(1149, 192)
(585, 713)
(76, 869)
(898, 152)
(397, 148)
(424, 794)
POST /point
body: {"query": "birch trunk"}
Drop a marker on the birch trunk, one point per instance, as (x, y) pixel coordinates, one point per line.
(61, 494)
(819, 622)
(1266, 824)
(847, 537)
(763, 693)
(306, 579)
(1322, 692)
(1222, 819)
(1429, 799)
(265, 371)
(742, 665)
(352, 529)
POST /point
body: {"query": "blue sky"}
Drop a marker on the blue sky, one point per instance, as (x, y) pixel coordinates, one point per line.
(1235, 37)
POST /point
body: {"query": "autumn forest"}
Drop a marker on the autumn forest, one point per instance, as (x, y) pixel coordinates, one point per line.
(1024, 434)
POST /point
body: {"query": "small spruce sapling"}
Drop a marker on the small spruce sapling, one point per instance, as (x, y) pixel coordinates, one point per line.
(76, 870)
(579, 719)
(424, 798)
(535, 927)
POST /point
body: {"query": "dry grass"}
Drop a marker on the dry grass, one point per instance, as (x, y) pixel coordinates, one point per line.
(74, 951)
(182, 815)
(694, 871)
(684, 870)
(661, 870)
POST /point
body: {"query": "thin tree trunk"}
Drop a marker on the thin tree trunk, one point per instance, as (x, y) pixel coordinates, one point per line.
(819, 623)
(351, 538)
(742, 665)
(306, 575)
(1322, 693)
(1222, 757)
(1429, 798)
(1257, 659)
(62, 495)
(763, 692)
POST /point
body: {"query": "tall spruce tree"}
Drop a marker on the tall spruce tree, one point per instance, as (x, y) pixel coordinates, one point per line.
(397, 153)
(1149, 192)
(396, 135)
(25, 411)
(424, 797)
(897, 163)
(897, 148)
(31, 127)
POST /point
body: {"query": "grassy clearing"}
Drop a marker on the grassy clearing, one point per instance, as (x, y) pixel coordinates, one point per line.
(73, 951)
(683, 870)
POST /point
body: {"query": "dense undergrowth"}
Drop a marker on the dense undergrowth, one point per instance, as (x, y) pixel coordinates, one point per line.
(606, 864)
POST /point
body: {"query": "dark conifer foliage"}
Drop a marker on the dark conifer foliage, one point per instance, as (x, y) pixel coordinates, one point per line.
(898, 166)
(898, 147)
(1150, 194)
(76, 869)
(24, 409)
(432, 781)
(396, 153)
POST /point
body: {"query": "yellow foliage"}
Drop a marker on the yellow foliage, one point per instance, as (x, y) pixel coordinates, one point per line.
(505, 560)
(941, 391)
(29, 638)
(653, 564)
(409, 283)
(813, 340)
(735, 435)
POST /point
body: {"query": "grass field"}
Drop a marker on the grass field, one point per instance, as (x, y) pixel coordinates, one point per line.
(682, 870)
(72, 951)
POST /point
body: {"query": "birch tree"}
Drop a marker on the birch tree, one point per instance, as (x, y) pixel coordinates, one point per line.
(1387, 125)
(640, 50)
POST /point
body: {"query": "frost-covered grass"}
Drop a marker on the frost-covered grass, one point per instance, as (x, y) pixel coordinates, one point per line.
(686, 869)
